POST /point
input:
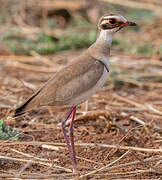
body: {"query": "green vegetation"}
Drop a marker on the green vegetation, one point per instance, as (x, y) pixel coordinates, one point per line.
(7, 132)
(116, 78)
(46, 44)
(74, 38)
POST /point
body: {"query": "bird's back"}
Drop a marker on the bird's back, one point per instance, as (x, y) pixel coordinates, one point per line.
(71, 82)
(69, 86)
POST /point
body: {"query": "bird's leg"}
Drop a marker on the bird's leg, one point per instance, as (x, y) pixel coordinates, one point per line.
(64, 132)
(71, 132)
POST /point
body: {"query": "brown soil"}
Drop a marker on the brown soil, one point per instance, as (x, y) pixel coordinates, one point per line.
(113, 118)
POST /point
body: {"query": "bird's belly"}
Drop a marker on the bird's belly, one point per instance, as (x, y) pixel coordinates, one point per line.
(86, 95)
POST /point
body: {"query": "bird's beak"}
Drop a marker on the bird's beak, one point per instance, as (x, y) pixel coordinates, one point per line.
(124, 24)
(128, 23)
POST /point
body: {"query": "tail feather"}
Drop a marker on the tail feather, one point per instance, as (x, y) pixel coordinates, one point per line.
(29, 104)
(22, 109)
(17, 115)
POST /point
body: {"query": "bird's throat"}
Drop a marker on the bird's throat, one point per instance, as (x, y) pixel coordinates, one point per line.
(106, 36)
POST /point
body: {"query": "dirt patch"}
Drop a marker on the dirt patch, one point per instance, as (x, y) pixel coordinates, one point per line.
(119, 138)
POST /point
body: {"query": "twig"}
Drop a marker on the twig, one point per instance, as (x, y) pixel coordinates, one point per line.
(97, 170)
(159, 162)
(130, 109)
(50, 126)
(34, 162)
(93, 115)
(35, 176)
(146, 106)
(45, 60)
(28, 164)
(120, 147)
(17, 58)
(88, 160)
(44, 176)
(127, 62)
(127, 172)
(90, 115)
(28, 155)
(31, 67)
(133, 163)
(129, 101)
(144, 124)
(55, 148)
(141, 75)
(137, 120)
(150, 62)
(124, 165)
(149, 150)
(153, 109)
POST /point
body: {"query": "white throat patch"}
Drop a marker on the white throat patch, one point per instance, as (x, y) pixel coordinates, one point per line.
(106, 35)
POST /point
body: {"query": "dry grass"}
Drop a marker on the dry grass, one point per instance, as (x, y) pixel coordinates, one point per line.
(117, 136)
(122, 125)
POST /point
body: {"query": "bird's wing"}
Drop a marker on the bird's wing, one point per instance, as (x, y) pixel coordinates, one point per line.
(67, 84)
(71, 81)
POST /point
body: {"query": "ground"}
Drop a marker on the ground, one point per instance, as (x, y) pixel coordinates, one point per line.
(119, 137)
(119, 134)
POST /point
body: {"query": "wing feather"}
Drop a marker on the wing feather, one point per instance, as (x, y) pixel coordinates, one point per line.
(70, 82)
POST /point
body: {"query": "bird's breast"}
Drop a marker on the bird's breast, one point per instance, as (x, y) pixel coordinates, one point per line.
(87, 94)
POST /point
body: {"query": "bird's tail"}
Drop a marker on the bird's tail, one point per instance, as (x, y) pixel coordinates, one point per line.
(26, 106)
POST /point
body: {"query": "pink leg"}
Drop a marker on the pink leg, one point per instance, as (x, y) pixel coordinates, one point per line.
(72, 137)
(70, 148)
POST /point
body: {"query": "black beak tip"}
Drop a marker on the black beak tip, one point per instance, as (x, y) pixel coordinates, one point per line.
(131, 23)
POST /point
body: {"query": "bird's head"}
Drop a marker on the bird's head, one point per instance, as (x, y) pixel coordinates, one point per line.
(113, 23)
(110, 24)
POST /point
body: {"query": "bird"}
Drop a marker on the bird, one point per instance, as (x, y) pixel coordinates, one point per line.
(78, 81)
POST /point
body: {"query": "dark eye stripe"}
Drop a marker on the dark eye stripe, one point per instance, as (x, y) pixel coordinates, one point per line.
(109, 23)
(107, 26)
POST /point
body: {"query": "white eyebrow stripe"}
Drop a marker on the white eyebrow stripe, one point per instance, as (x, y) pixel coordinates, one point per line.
(113, 16)
(117, 17)
(104, 22)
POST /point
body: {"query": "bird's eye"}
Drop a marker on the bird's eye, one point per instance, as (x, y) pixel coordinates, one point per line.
(112, 21)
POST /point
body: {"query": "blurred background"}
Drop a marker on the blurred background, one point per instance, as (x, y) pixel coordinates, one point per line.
(39, 37)
(49, 26)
